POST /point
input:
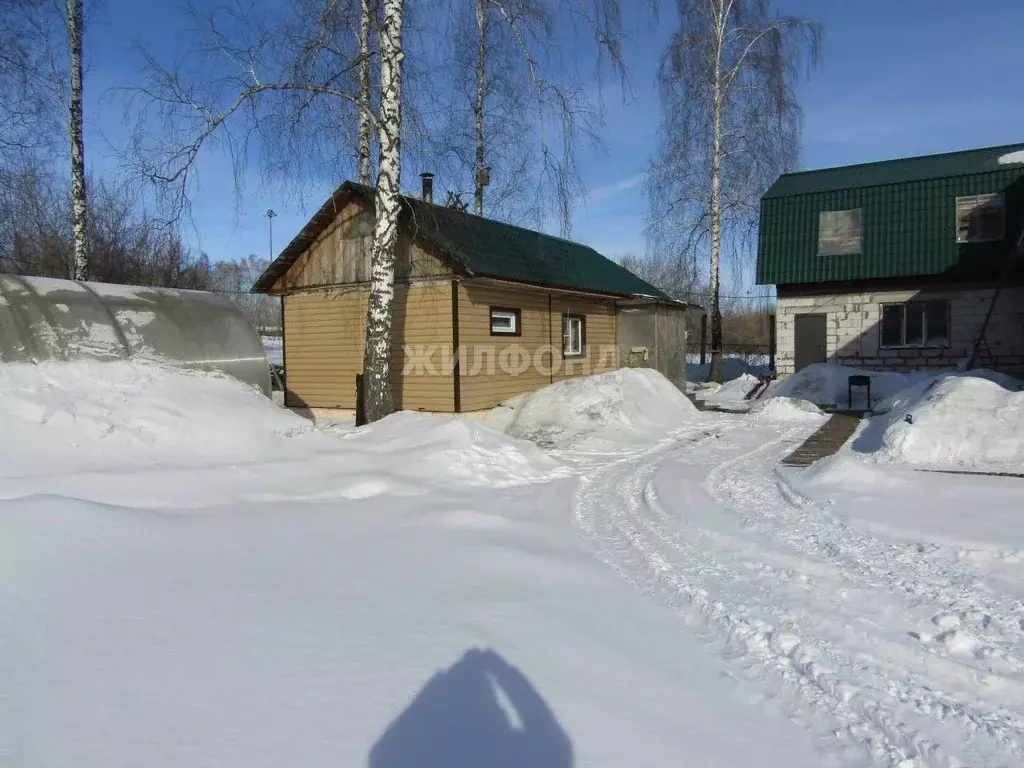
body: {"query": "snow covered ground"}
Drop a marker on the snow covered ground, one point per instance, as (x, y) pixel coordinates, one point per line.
(190, 575)
(274, 347)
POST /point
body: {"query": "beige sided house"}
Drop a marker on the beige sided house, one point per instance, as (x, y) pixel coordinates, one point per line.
(523, 309)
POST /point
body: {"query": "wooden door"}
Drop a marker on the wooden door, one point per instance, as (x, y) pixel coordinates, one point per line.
(809, 341)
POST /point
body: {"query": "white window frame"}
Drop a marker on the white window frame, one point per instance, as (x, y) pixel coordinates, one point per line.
(840, 233)
(568, 348)
(512, 315)
(968, 205)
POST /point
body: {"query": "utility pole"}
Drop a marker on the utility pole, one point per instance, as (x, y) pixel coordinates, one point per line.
(270, 214)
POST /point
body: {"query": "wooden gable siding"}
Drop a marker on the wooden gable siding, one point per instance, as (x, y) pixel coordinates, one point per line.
(341, 255)
(324, 336)
(496, 368)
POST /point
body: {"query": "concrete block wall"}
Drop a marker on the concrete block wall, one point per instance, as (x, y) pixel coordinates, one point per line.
(853, 330)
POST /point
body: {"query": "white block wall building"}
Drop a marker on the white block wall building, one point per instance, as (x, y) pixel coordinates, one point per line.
(853, 332)
(894, 265)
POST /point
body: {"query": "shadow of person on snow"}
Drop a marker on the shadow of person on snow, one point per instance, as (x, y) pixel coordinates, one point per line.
(479, 713)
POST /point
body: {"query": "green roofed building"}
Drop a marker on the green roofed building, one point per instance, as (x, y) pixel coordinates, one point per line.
(483, 310)
(908, 264)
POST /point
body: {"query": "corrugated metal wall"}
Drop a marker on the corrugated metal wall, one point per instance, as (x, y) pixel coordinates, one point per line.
(907, 229)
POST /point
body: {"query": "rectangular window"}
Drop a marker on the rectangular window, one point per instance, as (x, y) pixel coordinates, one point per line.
(980, 218)
(574, 335)
(839, 232)
(915, 324)
(505, 321)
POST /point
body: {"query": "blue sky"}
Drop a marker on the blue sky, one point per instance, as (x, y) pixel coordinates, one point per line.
(897, 77)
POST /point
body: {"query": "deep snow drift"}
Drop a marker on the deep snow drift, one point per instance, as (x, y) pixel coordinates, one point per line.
(606, 412)
(787, 410)
(951, 421)
(192, 576)
(731, 395)
(826, 384)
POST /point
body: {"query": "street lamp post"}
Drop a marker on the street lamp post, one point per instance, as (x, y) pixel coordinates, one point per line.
(270, 214)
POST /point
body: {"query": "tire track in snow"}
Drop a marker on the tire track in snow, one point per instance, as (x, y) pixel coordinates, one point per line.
(619, 509)
(880, 567)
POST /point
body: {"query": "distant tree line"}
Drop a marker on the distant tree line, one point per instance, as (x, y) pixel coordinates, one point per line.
(126, 244)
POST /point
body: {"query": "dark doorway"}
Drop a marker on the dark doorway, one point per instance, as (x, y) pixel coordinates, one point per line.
(809, 340)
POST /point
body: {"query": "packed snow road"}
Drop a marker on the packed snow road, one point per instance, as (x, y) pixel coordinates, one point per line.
(907, 651)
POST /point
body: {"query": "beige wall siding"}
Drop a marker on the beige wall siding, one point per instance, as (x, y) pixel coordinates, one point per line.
(323, 347)
(495, 368)
(853, 332)
(341, 255)
(602, 348)
(490, 370)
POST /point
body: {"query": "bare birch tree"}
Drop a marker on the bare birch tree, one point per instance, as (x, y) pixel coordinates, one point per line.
(479, 181)
(367, 20)
(731, 124)
(378, 398)
(80, 265)
(519, 105)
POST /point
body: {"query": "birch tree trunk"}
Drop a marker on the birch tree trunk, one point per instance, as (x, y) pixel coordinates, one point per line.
(80, 262)
(377, 356)
(715, 308)
(478, 105)
(367, 15)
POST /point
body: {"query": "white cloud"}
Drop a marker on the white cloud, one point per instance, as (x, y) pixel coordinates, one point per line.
(597, 194)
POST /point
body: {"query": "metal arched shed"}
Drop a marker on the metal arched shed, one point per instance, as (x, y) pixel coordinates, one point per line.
(49, 319)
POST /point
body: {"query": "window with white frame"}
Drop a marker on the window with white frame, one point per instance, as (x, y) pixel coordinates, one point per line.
(574, 335)
(505, 321)
(915, 324)
(980, 218)
(839, 232)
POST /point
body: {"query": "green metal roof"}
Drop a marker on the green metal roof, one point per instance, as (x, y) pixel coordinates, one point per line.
(893, 171)
(485, 248)
(908, 218)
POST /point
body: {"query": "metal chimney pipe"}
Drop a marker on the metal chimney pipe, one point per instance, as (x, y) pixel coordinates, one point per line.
(428, 187)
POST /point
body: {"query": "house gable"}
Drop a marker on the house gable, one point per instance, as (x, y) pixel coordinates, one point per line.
(340, 254)
(908, 219)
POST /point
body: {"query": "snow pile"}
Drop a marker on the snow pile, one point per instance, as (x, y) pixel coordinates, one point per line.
(732, 393)
(952, 421)
(826, 384)
(630, 406)
(462, 447)
(64, 417)
(787, 409)
(1012, 158)
(89, 414)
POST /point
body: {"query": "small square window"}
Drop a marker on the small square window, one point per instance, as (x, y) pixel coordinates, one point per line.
(574, 335)
(980, 218)
(505, 321)
(839, 232)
